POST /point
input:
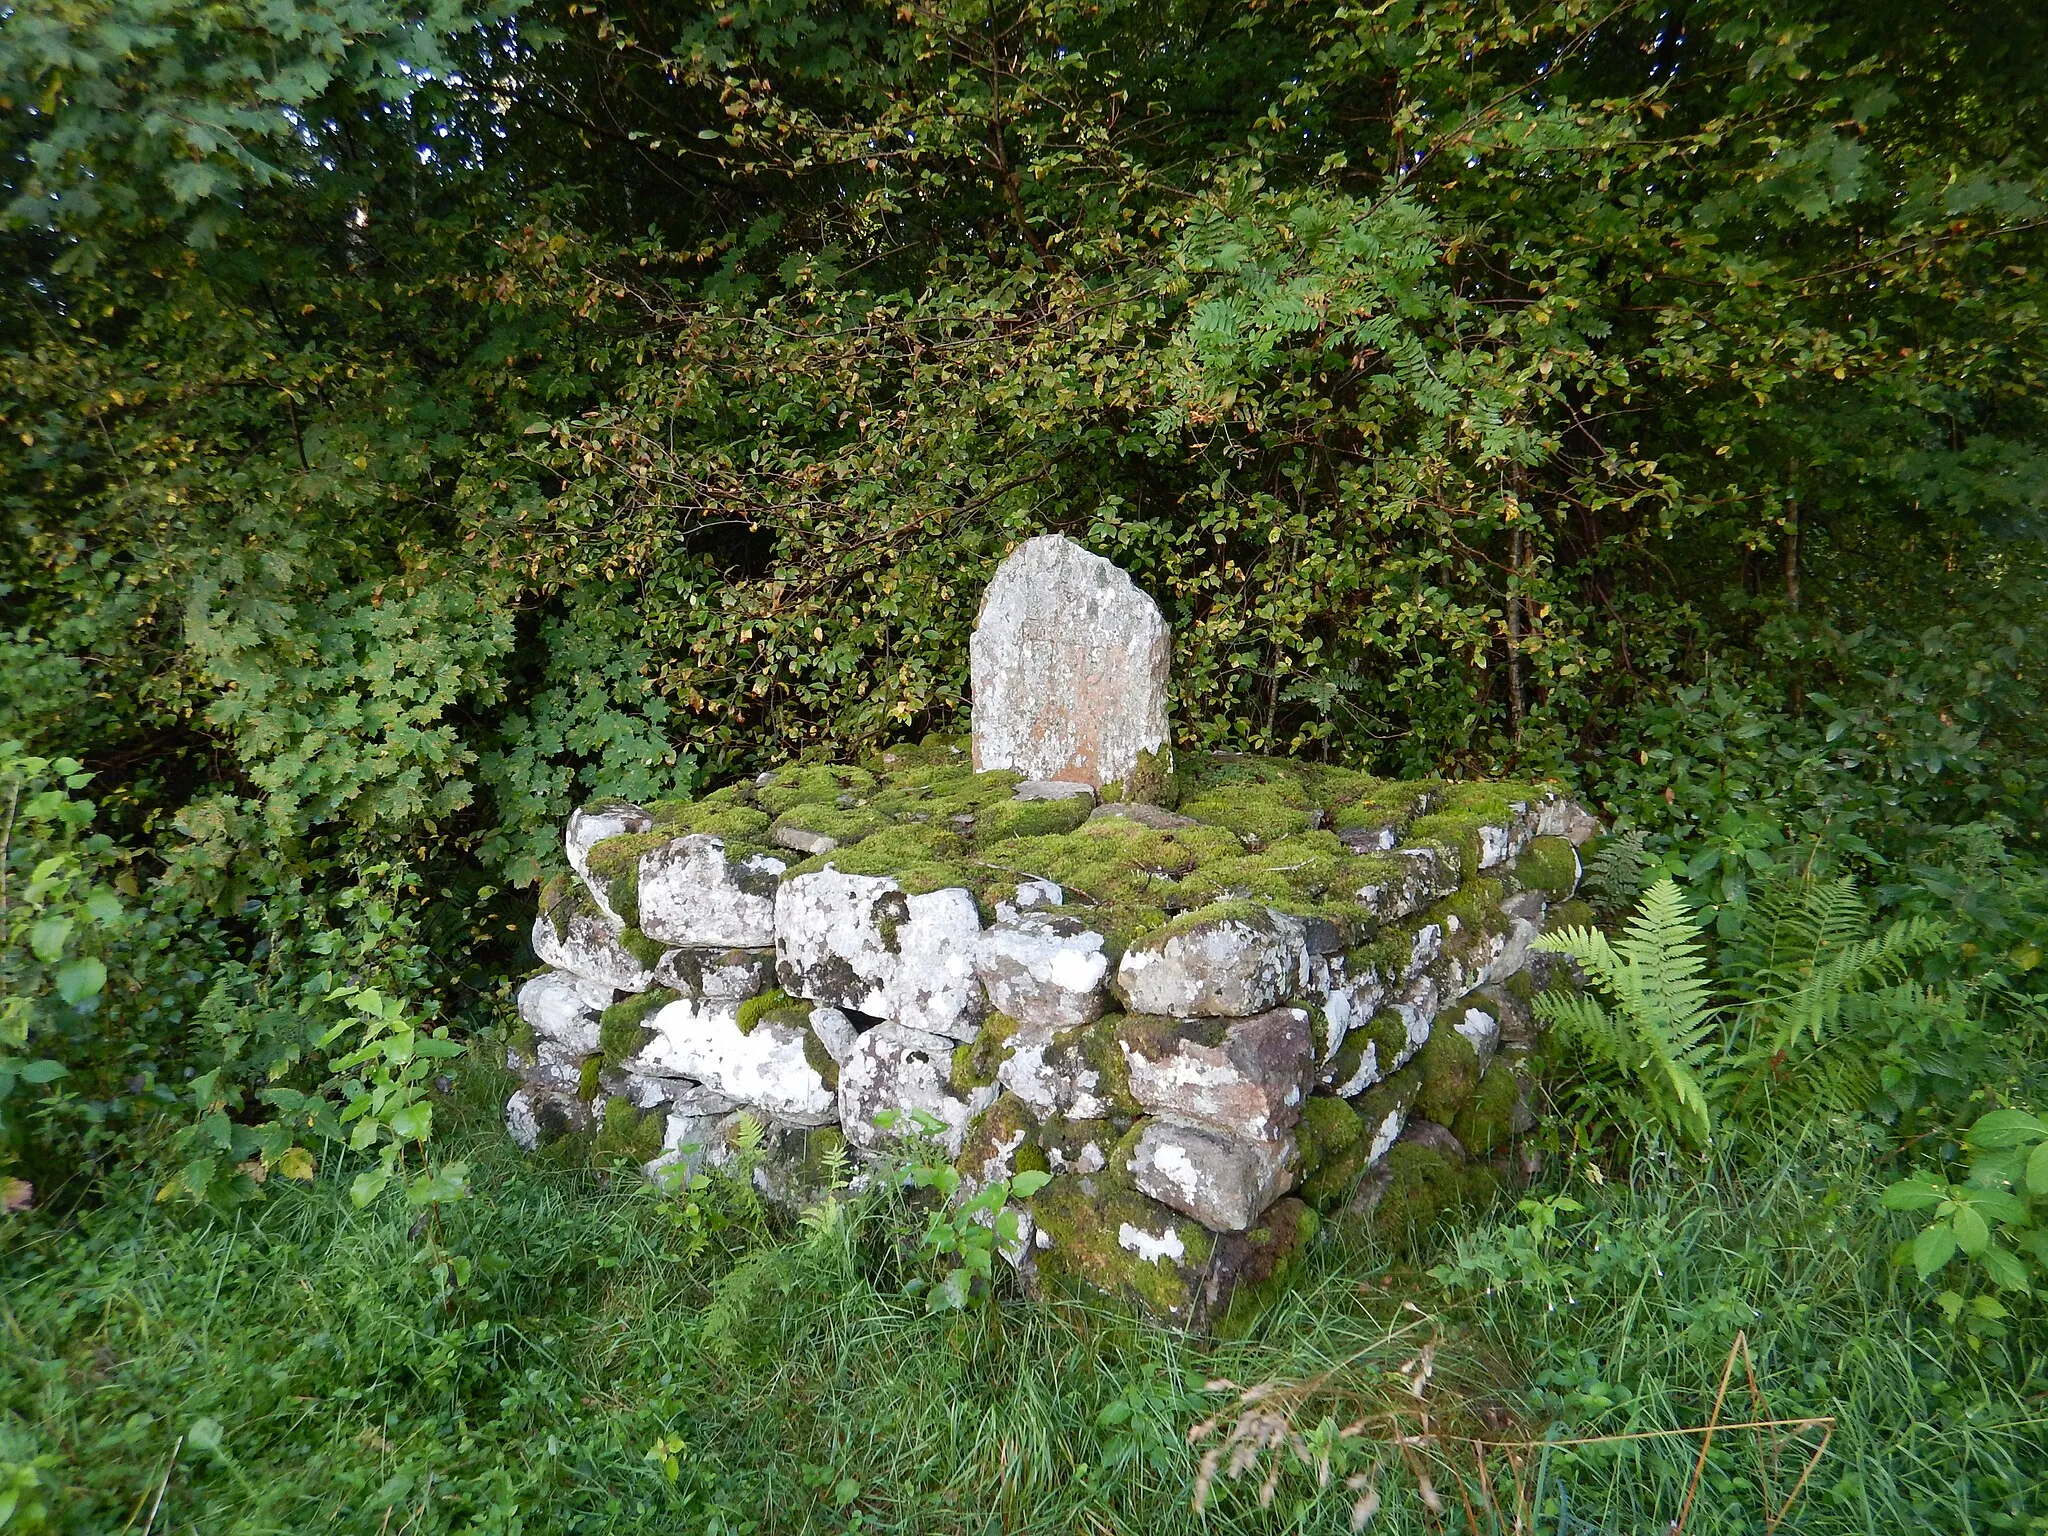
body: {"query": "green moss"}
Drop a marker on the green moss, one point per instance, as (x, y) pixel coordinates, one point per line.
(934, 751)
(814, 784)
(559, 896)
(1384, 1036)
(1115, 861)
(1263, 1262)
(1323, 1130)
(1261, 814)
(1083, 1215)
(622, 1028)
(1570, 914)
(1031, 818)
(1422, 1188)
(1383, 804)
(818, 1058)
(976, 1063)
(1151, 780)
(616, 856)
(1550, 865)
(1066, 1142)
(646, 952)
(587, 1076)
(1450, 1069)
(846, 825)
(995, 1128)
(1488, 1120)
(754, 1008)
(627, 1135)
(1391, 1095)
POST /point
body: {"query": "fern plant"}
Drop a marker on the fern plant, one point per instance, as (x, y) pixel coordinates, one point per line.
(1658, 1032)
(1821, 997)
(1617, 871)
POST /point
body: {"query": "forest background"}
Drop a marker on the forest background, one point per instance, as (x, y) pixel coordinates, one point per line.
(419, 418)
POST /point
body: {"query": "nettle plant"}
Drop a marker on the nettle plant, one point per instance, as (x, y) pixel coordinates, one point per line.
(1992, 1219)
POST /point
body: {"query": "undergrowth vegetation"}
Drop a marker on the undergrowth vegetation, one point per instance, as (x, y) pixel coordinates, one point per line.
(625, 1359)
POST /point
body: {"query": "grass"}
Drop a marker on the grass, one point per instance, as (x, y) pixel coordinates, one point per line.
(613, 1363)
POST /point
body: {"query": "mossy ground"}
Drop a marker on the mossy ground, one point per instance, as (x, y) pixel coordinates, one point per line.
(1450, 1069)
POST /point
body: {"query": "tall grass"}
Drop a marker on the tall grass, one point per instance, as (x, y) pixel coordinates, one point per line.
(612, 1367)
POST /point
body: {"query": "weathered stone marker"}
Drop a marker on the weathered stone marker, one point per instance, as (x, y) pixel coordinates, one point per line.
(1069, 663)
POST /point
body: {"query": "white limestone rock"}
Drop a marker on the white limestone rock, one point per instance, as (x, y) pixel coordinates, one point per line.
(691, 893)
(1031, 896)
(1045, 969)
(1220, 1181)
(556, 1006)
(1482, 1029)
(1235, 962)
(1418, 877)
(686, 1142)
(835, 1032)
(766, 1067)
(575, 936)
(722, 975)
(1069, 662)
(1349, 1000)
(932, 984)
(535, 1116)
(896, 1068)
(1245, 1077)
(1059, 1073)
(836, 939)
(593, 824)
(1560, 817)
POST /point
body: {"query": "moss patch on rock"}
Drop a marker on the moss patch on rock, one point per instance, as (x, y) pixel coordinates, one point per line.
(626, 1134)
(1007, 819)
(1489, 1119)
(1549, 865)
(1256, 1266)
(754, 1009)
(1110, 1240)
(622, 1029)
(1450, 1069)
(1002, 1138)
(1333, 1146)
(1421, 1188)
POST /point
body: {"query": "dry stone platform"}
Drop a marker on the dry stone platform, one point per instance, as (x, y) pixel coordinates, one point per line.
(1217, 1000)
(1299, 992)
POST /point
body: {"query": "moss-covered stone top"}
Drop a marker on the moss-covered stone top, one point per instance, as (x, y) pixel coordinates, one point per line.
(1302, 837)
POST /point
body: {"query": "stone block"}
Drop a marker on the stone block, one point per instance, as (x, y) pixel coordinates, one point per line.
(691, 892)
(1069, 664)
(836, 938)
(1227, 960)
(1045, 969)
(895, 1068)
(769, 1067)
(1221, 1181)
(1244, 1077)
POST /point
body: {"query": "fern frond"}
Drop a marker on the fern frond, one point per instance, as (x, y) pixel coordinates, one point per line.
(1663, 1031)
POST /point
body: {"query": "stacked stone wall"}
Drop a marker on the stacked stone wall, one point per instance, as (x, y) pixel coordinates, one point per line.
(1290, 992)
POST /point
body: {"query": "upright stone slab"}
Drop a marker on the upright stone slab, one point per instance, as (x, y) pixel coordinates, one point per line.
(1069, 661)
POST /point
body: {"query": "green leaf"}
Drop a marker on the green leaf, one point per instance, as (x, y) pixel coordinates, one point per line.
(42, 1071)
(1971, 1230)
(2007, 1128)
(1913, 1195)
(412, 1122)
(81, 979)
(2004, 1267)
(46, 939)
(2037, 1170)
(442, 1185)
(368, 1185)
(1932, 1250)
(1028, 1183)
